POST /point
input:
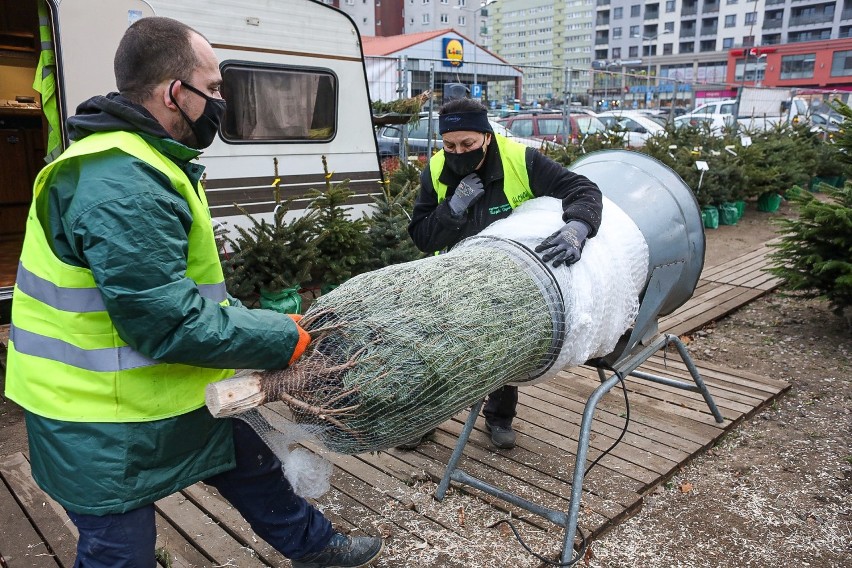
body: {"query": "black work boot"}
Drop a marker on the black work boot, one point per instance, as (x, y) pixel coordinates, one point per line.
(503, 438)
(343, 552)
(414, 442)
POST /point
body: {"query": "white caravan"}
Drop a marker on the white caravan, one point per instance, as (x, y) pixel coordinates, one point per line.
(294, 78)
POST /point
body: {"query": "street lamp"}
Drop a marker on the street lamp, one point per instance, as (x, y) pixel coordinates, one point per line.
(649, 39)
(475, 32)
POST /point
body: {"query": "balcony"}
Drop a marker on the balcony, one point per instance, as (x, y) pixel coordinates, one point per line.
(709, 7)
(601, 21)
(689, 10)
(775, 2)
(846, 14)
(709, 30)
(601, 40)
(687, 32)
(652, 14)
(807, 20)
(772, 24)
(602, 3)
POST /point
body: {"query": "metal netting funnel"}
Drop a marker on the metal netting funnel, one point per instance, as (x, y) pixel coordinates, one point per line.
(665, 210)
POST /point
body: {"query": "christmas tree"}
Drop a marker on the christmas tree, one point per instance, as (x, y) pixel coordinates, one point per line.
(342, 248)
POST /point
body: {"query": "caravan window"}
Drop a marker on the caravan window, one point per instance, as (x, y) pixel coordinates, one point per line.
(278, 104)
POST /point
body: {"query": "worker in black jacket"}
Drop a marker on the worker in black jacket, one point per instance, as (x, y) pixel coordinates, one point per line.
(478, 178)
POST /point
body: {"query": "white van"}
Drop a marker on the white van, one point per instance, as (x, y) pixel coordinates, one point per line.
(294, 78)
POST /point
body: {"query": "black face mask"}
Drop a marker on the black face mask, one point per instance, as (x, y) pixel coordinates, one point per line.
(207, 125)
(464, 163)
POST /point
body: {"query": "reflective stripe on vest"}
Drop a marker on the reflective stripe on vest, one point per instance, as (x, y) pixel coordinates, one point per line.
(516, 180)
(66, 360)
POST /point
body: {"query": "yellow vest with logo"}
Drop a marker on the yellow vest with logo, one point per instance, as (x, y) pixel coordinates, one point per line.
(66, 360)
(516, 180)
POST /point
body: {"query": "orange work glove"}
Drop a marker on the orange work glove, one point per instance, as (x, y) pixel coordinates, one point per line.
(304, 339)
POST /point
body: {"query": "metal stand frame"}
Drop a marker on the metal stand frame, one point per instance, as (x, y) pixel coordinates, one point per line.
(626, 367)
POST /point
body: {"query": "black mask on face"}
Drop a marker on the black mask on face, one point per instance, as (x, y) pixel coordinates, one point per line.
(207, 125)
(466, 162)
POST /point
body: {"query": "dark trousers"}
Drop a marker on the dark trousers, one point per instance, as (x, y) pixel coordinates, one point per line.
(257, 488)
(500, 408)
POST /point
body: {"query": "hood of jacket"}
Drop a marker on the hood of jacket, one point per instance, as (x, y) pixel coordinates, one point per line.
(113, 112)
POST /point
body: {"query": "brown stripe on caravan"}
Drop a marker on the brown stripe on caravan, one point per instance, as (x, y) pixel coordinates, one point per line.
(283, 52)
(255, 194)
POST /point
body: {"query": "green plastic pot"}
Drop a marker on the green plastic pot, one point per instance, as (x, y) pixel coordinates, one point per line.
(768, 202)
(710, 217)
(286, 301)
(728, 214)
(740, 205)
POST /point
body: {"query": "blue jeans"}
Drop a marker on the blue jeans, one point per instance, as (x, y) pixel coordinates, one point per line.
(257, 488)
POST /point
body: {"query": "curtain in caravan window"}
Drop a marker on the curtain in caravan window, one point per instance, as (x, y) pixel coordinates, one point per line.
(278, 104)
(285, 105)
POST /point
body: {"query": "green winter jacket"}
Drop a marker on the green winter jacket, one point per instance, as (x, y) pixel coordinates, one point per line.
(121, 219)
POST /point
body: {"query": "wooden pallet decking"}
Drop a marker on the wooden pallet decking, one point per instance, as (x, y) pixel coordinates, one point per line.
(389, 492)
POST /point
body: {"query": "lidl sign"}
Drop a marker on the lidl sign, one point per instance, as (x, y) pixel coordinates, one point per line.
(453, 52)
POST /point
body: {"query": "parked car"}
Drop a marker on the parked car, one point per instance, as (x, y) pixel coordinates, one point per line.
(636, 126)
(715, 123)
(550, 126)
(418, 138)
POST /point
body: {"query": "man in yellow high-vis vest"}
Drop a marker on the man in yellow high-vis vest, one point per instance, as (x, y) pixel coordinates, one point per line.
(120, 319)
(478, 178)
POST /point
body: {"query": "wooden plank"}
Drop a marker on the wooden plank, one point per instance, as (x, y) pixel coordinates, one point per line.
(208, 500)
(697, 431)
(208, 537)
(559, 465)
(21, 545)
(545, 401)
(53, 525)
(181, 552)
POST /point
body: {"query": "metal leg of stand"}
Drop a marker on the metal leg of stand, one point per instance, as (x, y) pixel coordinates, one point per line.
(457, 452)
(580, 465)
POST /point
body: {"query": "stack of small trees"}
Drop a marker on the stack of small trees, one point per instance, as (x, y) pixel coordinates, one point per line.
(321, 246)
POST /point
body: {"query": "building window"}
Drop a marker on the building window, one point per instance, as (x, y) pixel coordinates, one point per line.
(634, 31)
(616, 33)
(668, 27)
(748, 41)
(462, 21)
(798, 66)
(616, 53)
(727, 43)
(670, 5)
(635, 10)
(750, 18)
(687, 47)
(445, 19)
(425, 19)
(633, 51)
(256, 111)
(841, 64)
(729, 2)
(731, 21)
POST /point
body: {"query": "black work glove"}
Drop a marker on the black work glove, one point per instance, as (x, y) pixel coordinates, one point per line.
(469, 190)
(565, 245)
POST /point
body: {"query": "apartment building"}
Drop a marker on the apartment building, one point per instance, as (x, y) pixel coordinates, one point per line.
(688, 42)
(545, 38)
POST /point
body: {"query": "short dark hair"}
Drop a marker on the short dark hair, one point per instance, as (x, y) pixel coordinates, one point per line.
(153, 50)
(462, 105)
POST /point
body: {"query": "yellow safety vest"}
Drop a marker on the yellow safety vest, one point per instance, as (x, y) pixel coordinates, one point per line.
(66, 360)
(516, 180)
